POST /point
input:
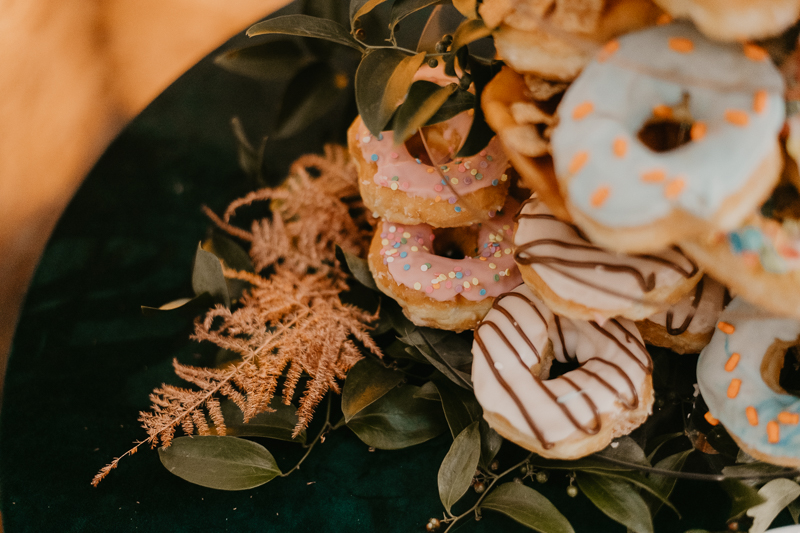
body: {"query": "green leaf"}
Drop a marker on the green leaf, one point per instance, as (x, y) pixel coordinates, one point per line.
(232, 255)
(424, 100)
(617, 499)
(359, 268)
(310, 94)
(207, 277)
(382, 81)
(189, 306)
(306, 26)
(366, 383)
(642, 482)
(794, 510)
(448, 352)
(250, 158)
(666, 484)
(460, 406)
(478, 137)
(278, 424)
(359, 8)
(659, 441)
(468, 8)
(394, 314)
(275, 60)
(752, 469)
(527, 507)
(458, 102)
(403, 8)
(428, 391)
(469, 31)
(490, 444)
(777, 494)
(624, 449)
(223, 463)
(458, 466)
(743, 496)
(398, 420)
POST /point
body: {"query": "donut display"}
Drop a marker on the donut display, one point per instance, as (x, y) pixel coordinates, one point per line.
(439, 291)
(738, 374)
(575, 414)
(577, 279)
(627, 195)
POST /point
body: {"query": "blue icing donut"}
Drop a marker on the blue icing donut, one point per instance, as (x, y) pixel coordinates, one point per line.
(729, 373)
(735, 96)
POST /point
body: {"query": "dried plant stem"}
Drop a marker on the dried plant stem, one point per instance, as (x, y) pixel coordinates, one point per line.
(326, 427)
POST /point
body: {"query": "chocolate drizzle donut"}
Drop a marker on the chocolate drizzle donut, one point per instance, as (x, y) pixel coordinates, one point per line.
(575, 414)
(578, 279)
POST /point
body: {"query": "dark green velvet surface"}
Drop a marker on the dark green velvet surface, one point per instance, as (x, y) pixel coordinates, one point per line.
(84, 358)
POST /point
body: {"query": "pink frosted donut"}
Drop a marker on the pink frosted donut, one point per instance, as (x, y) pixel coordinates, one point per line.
(408, 188)
(443, 292)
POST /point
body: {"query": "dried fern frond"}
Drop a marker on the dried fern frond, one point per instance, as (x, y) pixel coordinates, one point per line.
(286, 326)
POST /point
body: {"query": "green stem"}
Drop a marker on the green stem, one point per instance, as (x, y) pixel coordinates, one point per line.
(325, 428)
(495, 479)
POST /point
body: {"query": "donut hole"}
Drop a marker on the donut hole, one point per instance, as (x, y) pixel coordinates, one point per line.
(664, 135)
(442, 143)
(455, 243)
(780, 368)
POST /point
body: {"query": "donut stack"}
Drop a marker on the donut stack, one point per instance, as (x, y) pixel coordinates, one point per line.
(656, 150)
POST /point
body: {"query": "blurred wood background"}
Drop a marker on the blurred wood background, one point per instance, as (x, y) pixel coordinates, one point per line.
(74, 73)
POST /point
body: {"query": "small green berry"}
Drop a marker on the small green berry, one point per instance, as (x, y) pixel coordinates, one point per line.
(447, 39)
(479, 487)
(440, 48)
(433, 524)
(494, 466)
(572, 491)
(433, 63)
(518, 480)
(542, 477)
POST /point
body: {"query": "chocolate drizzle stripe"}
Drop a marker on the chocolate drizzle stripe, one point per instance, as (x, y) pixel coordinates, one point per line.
(595, 412)
(648, 366)
(698, 295)
(627, 404)
(557, 320)
(516, 399)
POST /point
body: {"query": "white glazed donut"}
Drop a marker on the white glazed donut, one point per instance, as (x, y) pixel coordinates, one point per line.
(738, 374)
(630, 197)
(572, 415)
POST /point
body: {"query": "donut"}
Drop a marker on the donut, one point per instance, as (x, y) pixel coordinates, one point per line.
(738, 375)
(575, 414)
(556, 39)
(723, 101)
(580, 280)
(408, 185)
(736, 20)
(687, 326)
(443, 292)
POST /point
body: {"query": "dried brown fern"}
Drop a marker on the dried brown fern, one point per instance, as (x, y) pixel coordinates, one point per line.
(289, 325)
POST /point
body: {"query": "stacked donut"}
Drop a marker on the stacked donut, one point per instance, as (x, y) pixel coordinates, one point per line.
(655, 149)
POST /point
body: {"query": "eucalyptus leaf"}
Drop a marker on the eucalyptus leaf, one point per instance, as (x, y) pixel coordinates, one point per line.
(359, 268)
(250, 158)
(445, 351)
(794, 510)
(383, 79)
(752, 469)
(458, 466)
(624, 449)
(478, 137)
(528, 507)
(278, 424)
(617, 499)
(469, 31)
(398, 420)
(403, 8)
(271, 61)
(231, 253)
(366, 382)
(309, 96)
(491, 441)
(306, 26)
(638, 480)
(743, 496)
(660, 441)
(207, 277)
(394, 313)
(456, 103)
(428, 391)
(777, 494)
(424, 100)
(468, 8)
(460, 406)
(223, 463)
(666, 484)
(188, 306)
(359, 8)
(588, 463)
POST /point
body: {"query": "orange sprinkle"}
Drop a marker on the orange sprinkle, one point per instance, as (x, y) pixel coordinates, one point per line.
(750, 259)
(654, 176)
(578, 161)
(663, 18)
(582, 110)
(698, 131)
(710, 419)
(437, 199)
(752, 415)
(674, 188)
(608, 50)
(733, 388)
(436, 285)
(737, 117)
(785, 417)
(732, 362)
(755, 52)
(682, 45)
(725, 327)
(773, 432)
(662, 111)
(760, 101)
(599, 196)
(620, 147)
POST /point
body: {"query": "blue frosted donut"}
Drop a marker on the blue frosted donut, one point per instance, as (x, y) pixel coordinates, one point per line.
(738, 376)
(615, 183)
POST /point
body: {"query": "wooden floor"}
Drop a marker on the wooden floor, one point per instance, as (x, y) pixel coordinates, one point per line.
(74, 73)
